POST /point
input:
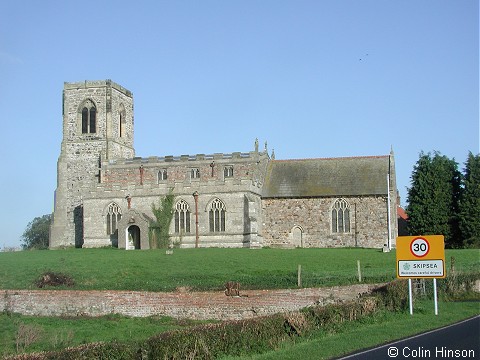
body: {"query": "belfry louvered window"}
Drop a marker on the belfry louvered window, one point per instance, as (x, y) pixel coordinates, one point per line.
(182, 217)
(217, 216)
(341, 216)
(113, 216)
(89, 118)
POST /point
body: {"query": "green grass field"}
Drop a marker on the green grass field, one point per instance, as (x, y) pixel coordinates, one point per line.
(56, 333)
(208, 269)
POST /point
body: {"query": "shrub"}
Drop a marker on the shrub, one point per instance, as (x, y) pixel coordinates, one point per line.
(394, 295)
(51, 278)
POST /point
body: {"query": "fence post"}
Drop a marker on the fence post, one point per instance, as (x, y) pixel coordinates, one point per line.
(359, 271)
(299, 276)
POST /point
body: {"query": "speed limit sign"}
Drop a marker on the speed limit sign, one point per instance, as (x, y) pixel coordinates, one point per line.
(419, 247)
(421, 256)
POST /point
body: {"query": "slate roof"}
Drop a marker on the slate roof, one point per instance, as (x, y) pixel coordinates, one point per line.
(350, 176)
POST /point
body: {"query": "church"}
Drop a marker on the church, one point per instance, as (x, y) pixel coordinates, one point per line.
(105, 195)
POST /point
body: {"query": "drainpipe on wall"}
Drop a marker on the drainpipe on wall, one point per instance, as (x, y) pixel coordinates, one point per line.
(195, 196)
(389, 245)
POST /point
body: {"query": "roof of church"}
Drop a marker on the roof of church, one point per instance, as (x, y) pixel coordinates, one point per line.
(350, 176)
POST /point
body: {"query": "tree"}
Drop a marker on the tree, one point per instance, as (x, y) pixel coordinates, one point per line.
(469, 207)
(37, 232)
(433, 198)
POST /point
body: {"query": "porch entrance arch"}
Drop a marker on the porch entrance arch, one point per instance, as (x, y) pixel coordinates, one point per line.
(133, 236)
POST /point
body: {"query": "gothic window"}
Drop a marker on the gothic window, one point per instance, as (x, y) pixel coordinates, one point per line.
(195, 173)
(228, 171)
(217, 216)
(114, 215)
(121, 121)
(89, 118)
(182, 217)
(341, 216)
(162, 175)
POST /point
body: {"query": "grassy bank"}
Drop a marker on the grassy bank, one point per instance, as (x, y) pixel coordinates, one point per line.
(378, 329)
(34, 333)
(208, 269)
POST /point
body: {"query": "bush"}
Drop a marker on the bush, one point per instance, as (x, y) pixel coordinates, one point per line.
(209, 341)
(394, 295)
(51, 278)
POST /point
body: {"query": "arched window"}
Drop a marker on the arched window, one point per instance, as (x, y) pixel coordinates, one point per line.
(228, 171)
(162, 175)
(89, 118)
(217, 216)
(341, 216)
(121, 121)
(182, 217)
(114, 214)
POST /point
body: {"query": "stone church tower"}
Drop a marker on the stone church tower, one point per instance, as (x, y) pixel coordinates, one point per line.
(97, 126)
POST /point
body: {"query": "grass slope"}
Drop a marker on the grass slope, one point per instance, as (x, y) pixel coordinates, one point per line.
(371, 331)
(208, 269)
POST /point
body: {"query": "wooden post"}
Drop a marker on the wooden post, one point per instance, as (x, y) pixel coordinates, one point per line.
(299, 276)
(359, 271)
(452, 265)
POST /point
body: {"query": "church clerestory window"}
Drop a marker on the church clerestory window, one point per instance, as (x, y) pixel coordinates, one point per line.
(182, 217)
(195, 173)
(89, 118)
(113, 216)
(228, 171)
(217, 216)
(162, 175)
(341, 216)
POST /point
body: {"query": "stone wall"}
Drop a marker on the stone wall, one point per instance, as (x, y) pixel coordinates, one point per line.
(81, 153)
(191, 305)
(137, 179)
(311, 218)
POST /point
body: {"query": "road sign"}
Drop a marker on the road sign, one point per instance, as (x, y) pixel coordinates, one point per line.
(420, 256)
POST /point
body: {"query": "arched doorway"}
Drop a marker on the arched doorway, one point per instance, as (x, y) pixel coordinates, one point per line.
(297, 236)
(134, 237)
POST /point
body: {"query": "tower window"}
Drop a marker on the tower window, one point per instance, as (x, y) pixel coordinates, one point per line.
(341, 216)
(122, 121)
(89, 118)
(217, 216)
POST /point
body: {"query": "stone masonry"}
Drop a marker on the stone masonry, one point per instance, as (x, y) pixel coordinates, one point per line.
(105, 194)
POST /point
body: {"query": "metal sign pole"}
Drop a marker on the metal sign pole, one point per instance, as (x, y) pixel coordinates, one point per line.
(410, 298)
(435, 300)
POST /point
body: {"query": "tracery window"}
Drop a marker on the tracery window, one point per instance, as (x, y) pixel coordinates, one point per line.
(162, 175)
(217, 216)
(341, 216)
(89, 118)
(114, 214)
(228, 171)
(182, 217)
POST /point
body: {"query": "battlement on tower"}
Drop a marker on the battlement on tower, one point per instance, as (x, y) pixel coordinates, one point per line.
(87, 84)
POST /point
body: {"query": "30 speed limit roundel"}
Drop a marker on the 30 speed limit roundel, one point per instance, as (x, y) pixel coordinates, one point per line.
(419, 247)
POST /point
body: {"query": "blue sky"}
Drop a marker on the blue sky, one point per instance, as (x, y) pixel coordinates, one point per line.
(323, 78)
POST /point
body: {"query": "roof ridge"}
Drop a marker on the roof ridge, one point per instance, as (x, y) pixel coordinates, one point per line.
(335, 158)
